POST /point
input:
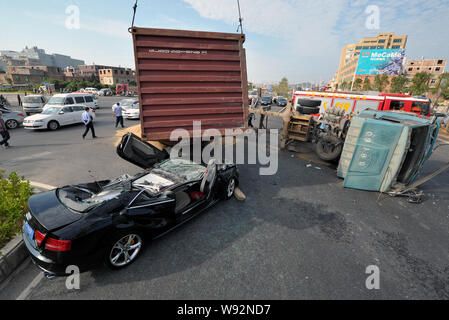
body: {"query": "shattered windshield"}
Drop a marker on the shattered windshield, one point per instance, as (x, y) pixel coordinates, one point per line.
(185, 169)
(82, 200)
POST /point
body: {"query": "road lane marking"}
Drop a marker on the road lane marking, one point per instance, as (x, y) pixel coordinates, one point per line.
(25, 293)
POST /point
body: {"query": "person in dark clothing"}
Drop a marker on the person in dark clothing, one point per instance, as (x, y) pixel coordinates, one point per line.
(3, 132)
(88, 122)
(251, 116)
(19, 100)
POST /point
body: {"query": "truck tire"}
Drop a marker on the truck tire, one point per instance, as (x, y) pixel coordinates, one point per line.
(308, 110)
(309, 103)
(329, 148)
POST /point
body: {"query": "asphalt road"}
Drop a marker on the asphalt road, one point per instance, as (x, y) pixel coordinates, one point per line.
(299, 234)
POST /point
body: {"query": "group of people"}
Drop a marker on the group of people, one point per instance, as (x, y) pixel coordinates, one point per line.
(117, 111)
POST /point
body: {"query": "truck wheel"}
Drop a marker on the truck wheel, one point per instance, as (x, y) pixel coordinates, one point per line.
(309, 103)
(329, 148)
(308, 110)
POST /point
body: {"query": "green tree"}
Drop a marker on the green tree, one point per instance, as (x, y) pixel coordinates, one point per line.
(282, 88)
(344, 85)
(398, 84)
(381, 82)
(358, 84)
(367, 85)
(420, 83)
(442, 87)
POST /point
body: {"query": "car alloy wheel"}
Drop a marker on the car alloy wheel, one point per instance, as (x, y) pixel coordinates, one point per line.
(11, 124)
(125, 250)
(231, 188)
(53, 125)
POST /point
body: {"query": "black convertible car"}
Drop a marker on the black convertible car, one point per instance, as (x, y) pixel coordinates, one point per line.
(109, 221)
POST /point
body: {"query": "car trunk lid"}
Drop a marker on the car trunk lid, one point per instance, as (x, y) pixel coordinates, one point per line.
(49, 213)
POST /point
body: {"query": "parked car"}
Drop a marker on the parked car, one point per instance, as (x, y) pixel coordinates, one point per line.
(282, 102)
(56, 116)
(12, 119)
(132, 112)
(93, 91)
(266, 100)
(75, 98)
(33, 104)
(128, 103)
(110, 221)
(105, 92)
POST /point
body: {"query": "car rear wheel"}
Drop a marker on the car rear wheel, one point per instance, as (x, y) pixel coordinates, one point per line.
(53, 125)
(124, 250)
(11, 124)
(228, 192)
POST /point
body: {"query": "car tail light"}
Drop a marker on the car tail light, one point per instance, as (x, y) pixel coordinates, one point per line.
(53, 244)
(39, 237)
(58, 245)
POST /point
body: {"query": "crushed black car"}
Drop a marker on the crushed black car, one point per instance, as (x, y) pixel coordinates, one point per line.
(110, 221)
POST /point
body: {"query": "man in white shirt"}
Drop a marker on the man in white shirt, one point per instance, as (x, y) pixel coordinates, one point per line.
(88, 123)
(118, 112)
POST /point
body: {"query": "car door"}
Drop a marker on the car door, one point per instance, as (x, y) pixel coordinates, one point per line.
(66, 116)
(77, 112)
(139, 152)
(151, 212)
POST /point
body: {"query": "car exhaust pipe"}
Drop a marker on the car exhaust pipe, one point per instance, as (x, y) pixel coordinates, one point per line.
(49, 276)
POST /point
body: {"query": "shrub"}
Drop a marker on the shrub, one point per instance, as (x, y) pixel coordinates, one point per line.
(14, 195)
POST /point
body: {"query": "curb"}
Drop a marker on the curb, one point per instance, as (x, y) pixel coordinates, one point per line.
(14, 253)
(12, 256)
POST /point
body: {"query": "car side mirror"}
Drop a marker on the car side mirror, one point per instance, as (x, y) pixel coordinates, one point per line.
(123, 212)
(61, 112)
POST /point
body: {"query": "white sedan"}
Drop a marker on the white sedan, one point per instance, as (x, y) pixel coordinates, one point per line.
(55, 117)
(132, 113)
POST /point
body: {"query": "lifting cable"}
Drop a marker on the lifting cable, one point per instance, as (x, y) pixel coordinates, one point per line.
(134, 17)
(240, 27)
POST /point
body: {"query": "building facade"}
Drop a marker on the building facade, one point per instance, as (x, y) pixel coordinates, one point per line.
(351, 52)
(433, 66)
(50, 60)
(112, 76)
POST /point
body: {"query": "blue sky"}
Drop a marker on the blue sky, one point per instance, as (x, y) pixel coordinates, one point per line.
(299, 39)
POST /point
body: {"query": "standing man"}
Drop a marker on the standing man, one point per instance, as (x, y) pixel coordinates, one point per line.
(118, 112)
(19, 100)
(3, 132)
(88, 123)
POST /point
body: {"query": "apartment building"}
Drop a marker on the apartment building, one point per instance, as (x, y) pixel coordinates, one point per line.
(433, 66)
(112, 76)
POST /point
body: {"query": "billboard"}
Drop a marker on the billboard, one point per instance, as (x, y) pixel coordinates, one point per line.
(380, 61)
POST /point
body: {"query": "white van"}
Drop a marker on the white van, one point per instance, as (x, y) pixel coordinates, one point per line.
(72, 99)
(93, 91)
(33, 103)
